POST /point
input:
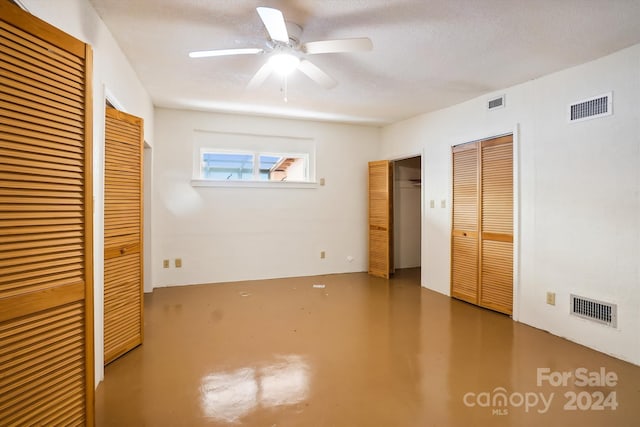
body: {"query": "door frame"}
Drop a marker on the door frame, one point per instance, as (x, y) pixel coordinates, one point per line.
(405, 156)
(503, 131)
(393, 160)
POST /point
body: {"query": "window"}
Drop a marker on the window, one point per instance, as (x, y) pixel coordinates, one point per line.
(225, 166)
(231, 159)
(228, 166)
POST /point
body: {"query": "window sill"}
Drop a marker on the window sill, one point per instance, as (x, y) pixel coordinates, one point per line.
(252, 184)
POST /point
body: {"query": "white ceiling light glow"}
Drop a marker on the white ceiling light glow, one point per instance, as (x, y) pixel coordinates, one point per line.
(284, 63)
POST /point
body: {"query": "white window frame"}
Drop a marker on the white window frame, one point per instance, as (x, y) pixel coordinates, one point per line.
(255, 169)
(258, 145)
(204, 151)
(304, 156)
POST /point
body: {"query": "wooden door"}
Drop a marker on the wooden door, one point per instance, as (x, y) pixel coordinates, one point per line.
(381, 218)
(496, 243)
(464, 235)
(46, 273)
(123, 216)
(482, 225)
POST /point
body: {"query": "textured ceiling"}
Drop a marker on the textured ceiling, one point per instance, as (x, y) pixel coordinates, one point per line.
(427, 55)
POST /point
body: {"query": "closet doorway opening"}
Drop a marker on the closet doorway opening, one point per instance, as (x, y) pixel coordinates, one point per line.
(407, 207)
(395, 215)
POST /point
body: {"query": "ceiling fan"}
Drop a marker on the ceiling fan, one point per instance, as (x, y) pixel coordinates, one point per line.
(286, 53)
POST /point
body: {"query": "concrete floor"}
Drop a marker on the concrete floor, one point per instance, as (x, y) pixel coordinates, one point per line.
(359, 351)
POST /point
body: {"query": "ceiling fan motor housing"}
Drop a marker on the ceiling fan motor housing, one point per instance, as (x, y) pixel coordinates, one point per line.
(295, 31)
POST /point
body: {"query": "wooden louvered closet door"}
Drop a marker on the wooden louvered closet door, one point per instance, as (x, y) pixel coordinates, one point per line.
(482, 233)
(123, 262)
(496, 243)
(46, 286)
(464, 236)
(381, 218)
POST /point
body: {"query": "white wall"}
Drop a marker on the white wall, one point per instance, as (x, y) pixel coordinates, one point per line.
(407, 213)
(579, 195)
(113, 75)
(231, 234)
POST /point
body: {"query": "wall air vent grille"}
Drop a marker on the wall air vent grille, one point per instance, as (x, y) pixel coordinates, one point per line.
(495, 103)
(598, 106)
(598, 311)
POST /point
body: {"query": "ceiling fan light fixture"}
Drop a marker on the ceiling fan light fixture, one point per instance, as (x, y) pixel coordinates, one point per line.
(285, 54)
(284, 63)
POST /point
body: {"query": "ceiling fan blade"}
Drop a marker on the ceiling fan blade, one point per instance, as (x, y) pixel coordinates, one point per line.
(260, 76)
(338, 46)
(224, 52)
(316, 74)
(273, 21)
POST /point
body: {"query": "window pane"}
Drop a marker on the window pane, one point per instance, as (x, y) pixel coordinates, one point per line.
(227, 166)
(266, 164)
(283, 168)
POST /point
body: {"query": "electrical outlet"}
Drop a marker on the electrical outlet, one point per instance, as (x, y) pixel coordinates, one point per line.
(443, 203)
(178, 262)
(322, 255)
(165, 263)
(551, 298)
(432, 204)
(321, 181)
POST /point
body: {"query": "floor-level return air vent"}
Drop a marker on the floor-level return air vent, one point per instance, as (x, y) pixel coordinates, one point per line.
(598, 311)
(598, 106)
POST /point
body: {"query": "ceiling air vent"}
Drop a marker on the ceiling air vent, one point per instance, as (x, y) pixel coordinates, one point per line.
(495, 103)
(598, 106)
(598, 311)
